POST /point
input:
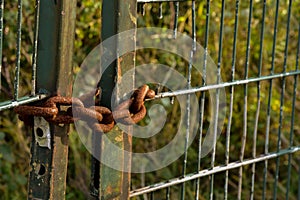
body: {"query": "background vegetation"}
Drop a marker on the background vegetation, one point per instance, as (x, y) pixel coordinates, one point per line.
(15, 138)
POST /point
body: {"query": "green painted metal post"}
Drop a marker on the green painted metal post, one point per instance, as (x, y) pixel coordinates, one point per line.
(107, 183)
(49, 148)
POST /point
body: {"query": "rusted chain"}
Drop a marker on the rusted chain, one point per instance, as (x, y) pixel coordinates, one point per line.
(133, 110)
(100, 118)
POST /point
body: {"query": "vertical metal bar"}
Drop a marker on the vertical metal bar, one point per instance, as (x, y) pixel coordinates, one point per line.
(194, 37)
(176, 6)
(293, 117)
(1, 38)
(282, 99)
(39, 183)
(67, 17)
(143, 9)
(127, 62)
(269, 102)
(262, 32)
(202, 101)
(237, 5)
(47, 178)
(108, 29)
(48, 37)
(109, 26)
(298, 195)
(117, 16)
(213, 156)
(152, 196)
(188, 108)
(18, 58)
(160, 11)
(244, 136)
(35, 46)
(168, 193)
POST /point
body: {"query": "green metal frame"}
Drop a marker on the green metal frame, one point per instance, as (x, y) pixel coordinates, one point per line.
(54, 67)
(108, 183)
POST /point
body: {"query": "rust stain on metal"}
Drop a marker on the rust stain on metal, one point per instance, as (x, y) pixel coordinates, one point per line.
(100, 118)
(119, 72)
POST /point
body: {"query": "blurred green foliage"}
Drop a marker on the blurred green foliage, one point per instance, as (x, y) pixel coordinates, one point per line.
(15, 138)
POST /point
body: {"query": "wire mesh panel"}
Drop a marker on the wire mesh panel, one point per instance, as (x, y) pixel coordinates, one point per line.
(255, 45)
(21, 59)
(254, 49)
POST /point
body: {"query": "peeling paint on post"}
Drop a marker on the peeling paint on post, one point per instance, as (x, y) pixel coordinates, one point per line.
(108, 183)
(47, 179)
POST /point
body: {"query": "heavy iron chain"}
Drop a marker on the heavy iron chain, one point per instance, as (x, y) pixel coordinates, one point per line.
(100, 118)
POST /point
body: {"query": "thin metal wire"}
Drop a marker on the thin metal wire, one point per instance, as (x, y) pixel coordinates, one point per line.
(1, 39)
(188, 108)
(19, 34)
(141, 8)
(269, 102)
(168, 193)
(262, 32)
(3, 105)
(293, 117)
(152, 196)
(244, 136)
(231, 96)
(222, 85)
(211, 171)
(21, 101)
(176, 7)
(35, 45)
(282, 99)
(160, 11)
(213, 156)
(194, 25)
(298, 197)
(202, 100)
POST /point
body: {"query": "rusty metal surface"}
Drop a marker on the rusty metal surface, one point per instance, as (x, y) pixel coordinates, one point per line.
(66, 34)
(100, 118)
(47, 179)
(108, 183)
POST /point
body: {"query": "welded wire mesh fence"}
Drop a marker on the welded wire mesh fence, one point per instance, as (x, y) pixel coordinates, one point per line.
(255, 45)
(11, 34)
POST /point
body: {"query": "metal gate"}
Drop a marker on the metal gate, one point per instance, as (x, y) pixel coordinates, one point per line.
(256, 48)
(50, 71)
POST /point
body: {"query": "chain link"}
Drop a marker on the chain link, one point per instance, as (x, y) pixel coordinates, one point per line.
(100, 118)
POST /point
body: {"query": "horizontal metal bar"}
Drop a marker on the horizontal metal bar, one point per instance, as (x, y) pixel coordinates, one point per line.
(157, 1)
(29, 99)
(214, 170)
(226, 84)
(24, 100)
